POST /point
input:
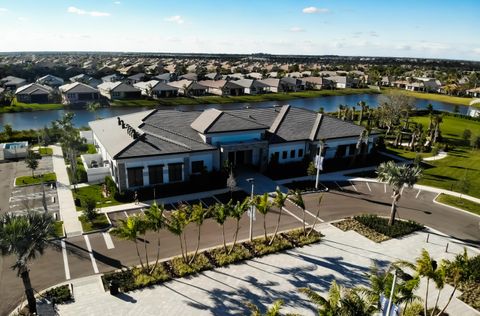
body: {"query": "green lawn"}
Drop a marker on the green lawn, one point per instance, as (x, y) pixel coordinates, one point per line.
(27, 180)
(406, 153)
(24, 107)
(464, 204)
(433, 96)
(94, 191)
(45, 151)
(240, 99)
(100, 222)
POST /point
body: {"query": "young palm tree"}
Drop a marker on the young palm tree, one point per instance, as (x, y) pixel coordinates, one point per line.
(26, 237)
(263, 204)
(279, 202)
(397, 176)
(274, 310)
(176, 225)
(326, 306)
(426, 267)
(379, 282)
(198, 216)
(297, 199)
(220, 213)
(237, 212)
(156, 222)
(129, 229)
(316, 215)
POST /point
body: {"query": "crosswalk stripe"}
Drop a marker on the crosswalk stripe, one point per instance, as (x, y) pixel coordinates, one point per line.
(108, 240)
(65, 260)
(92, 258)
(368, 186)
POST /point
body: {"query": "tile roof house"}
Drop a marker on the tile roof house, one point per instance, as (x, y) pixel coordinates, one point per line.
(252, 86)
(156, 89)
(78, 93)
(222, 87)
(86, 79)
(51, 81)
(188, 87)
(33, 93)
(317, 83)
(166, 77)
(12, 83)
(119, 90)
(112, 78)
(163, 146)
(136, 78)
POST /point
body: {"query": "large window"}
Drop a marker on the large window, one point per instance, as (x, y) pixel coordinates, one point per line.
(175, 172)
(155, 174)
(197, 166)
(135, 177)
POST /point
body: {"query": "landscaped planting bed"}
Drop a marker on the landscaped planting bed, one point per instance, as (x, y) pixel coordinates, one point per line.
(99, 223)
(471, 289)
(376, 228)
(134, 278)
(37, 179)
(60, 294)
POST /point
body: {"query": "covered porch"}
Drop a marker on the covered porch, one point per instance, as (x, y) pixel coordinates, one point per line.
(253, 154)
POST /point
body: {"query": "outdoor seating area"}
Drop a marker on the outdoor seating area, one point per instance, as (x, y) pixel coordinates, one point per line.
(96, 168)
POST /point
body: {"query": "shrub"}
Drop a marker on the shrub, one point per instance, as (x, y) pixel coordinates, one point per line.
(298, 238)
(261, 247)
(182, 269)
(380, 225)
(90, 204)
(240, 253)
(60, 294)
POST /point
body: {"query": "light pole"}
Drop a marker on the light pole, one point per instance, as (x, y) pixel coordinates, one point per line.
(251, 213)
(318, 165)
(391, 292)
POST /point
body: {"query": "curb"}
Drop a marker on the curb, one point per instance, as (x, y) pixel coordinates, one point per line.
(454, 207)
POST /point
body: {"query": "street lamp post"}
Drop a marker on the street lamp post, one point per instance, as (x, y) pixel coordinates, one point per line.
(389, 307)
(252, 182)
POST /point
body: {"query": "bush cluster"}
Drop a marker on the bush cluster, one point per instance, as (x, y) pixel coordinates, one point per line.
(134, 278)
(60, 294)
(380, 225)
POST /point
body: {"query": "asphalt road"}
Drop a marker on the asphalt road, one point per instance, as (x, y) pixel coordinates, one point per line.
(344, 199)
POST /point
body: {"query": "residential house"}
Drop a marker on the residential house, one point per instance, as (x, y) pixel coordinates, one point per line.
(166, 77)
(222, 87)
(78, 92)
(272, 85)
(401, 84)
(86, 79)
(119, 90)
(112, 78)
(34, 93)
(386, 81)
(317, 83)
(136, 78)
(415, 86)
(343, 82)
(158, 147)
(254, 75)
(51, 81)
(430, 84)
(188, 76)
(475, 92)
(213, 76)
(156, 89)
(474, 109)
(252, 86)
(12, 83)
(189, 88)
(290, 84)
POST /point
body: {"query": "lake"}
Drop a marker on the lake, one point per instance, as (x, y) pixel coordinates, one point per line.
(39, 119)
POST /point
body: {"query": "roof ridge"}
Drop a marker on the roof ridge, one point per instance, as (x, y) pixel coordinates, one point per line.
(175, 133)
(170, 141)
(279, 119)
(316, 126)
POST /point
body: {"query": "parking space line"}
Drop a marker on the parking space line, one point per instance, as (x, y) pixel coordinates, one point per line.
(216, 199)
(385, 187)
(294, 216)
(368, 186)
(92, 258)
(108, 240)
(338, 186)
(204, 204)
(313, 215)
(353, 185)
(418, 194)
(65, 260)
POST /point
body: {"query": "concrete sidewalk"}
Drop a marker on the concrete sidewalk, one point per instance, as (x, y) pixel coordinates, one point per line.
(261, 281)
(68, 211)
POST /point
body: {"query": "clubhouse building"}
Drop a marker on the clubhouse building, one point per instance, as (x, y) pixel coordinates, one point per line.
(165, 146)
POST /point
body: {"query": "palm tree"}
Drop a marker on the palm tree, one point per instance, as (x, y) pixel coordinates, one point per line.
(156, 222)
(220, 213)
(237, 212)
(263, 205)
(279, 202)
(26, 237)
(458, 271)
(129, 229)
(316, 216)
(176, 225)
(198, 216)
(379, 282)
(426, 267)
(297, 198)
(274, 310)
(397, 176)
(325, 306)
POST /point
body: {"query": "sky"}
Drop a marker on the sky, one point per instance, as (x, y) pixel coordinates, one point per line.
(404, 28)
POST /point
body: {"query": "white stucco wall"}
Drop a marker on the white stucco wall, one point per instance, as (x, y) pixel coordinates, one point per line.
(280, 148)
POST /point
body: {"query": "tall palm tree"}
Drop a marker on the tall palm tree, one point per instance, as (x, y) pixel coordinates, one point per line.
(379, 281)
(237, 212)
(26, 237)
(297, 198)
(176, 225)
(220, 214)
(198, 216)
(129, 229)
(397, 176)
(156, 222)
(426, 267)
(279, 202)
(263, 205)
(458, 271)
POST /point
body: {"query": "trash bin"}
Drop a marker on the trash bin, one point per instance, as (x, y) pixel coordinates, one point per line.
(113, 287)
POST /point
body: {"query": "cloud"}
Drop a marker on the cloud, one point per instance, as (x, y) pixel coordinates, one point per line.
(296, 29)
(116, 2)
(312, 10)
(476, 50)
(3, 10)
(78, 11)
(175, 19)
(22, 19)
